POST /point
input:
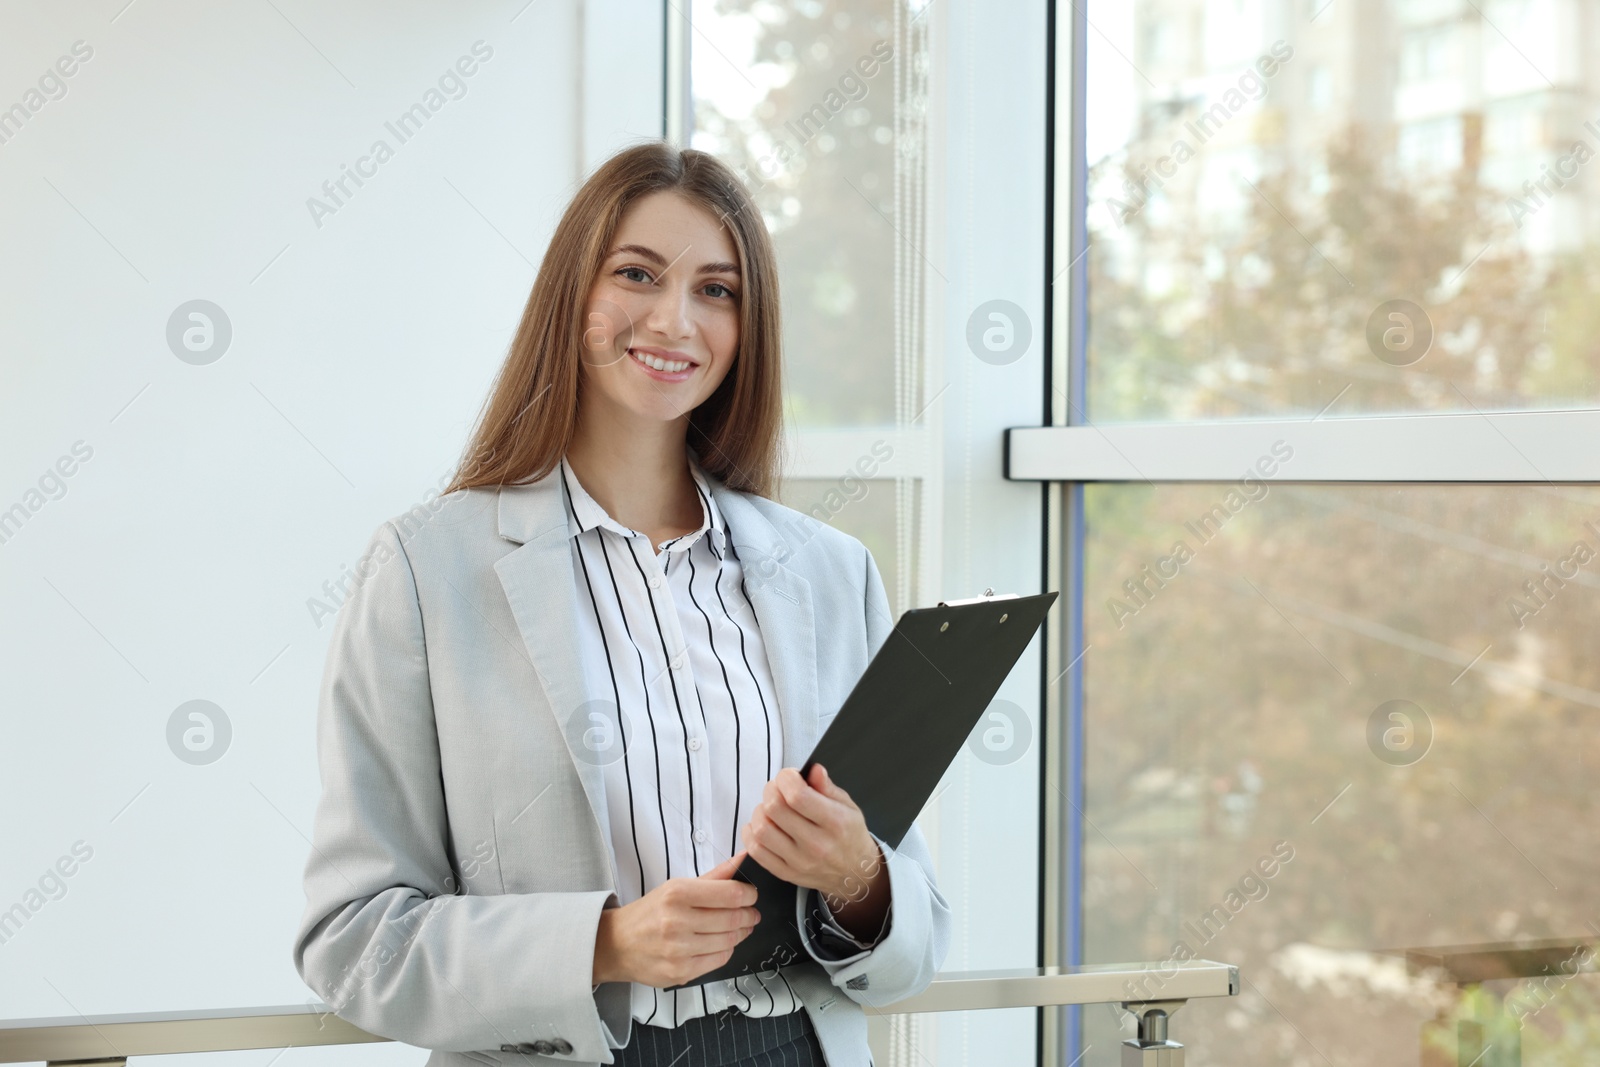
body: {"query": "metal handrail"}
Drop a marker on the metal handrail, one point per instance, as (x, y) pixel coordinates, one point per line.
(1490, 1029)
(110, 1039)
(1471, 964)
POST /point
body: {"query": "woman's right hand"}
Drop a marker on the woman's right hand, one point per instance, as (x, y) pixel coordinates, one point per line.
(678, 931)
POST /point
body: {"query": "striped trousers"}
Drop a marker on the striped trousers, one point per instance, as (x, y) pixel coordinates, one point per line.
(728, 1038)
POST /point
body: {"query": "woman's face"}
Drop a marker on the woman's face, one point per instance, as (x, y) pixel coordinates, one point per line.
(667, 293)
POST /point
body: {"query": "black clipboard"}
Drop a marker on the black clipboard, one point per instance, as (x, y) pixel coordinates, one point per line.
(894, 737)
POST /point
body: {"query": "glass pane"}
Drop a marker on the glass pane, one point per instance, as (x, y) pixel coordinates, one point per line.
(799, 100)
(1382, 207)
(1328, 725)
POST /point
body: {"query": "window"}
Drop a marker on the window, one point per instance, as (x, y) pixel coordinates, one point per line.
(1430, 145)
(1425, 53)
(801, 100)
(1326, 686)
(1319, 88)
(1361, 204)
(1378, 690)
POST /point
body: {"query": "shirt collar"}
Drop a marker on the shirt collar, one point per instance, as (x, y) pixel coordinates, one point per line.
(584, 512)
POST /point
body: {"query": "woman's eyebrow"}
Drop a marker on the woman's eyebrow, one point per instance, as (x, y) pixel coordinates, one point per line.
(721, 267)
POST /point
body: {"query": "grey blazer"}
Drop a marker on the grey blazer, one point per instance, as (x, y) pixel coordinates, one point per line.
(460, 863)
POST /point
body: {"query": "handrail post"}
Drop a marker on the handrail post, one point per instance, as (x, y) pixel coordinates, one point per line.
(1151, 1047)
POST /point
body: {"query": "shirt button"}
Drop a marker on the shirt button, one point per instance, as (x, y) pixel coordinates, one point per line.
(677, 663)
(694, 744)
(655, 582)
(700, 836)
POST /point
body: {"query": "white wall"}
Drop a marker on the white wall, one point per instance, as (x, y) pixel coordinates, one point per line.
(176, 562)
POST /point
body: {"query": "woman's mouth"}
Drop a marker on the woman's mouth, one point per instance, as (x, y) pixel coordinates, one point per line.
(662, 370)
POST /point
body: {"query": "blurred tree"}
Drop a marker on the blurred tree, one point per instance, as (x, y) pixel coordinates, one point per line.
(1269, 314)
(1228, 704)
(817, 152)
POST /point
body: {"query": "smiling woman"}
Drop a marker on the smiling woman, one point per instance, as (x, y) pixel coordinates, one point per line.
(642, 739)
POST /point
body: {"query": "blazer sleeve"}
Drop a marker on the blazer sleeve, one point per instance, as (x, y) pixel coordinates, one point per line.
(389, 937)
(904, 960)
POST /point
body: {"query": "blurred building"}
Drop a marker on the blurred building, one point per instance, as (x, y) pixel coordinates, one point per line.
(1500, 90)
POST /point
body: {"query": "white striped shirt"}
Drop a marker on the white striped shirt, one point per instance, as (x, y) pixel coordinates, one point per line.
(673, 639)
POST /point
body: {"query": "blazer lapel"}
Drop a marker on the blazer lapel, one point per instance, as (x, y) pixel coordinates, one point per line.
(781, 598)
(541, 586)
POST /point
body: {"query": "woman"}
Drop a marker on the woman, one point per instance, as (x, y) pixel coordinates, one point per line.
(568, 699)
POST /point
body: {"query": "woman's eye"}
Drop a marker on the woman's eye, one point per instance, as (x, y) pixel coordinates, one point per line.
(642, 276)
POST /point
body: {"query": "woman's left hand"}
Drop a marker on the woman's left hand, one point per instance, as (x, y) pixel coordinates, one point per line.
(812, 834)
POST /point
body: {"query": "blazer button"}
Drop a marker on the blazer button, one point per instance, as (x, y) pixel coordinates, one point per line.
(563, 1046)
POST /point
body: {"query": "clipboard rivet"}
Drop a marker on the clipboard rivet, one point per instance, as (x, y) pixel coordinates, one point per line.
(943, 626)
(1005, 616)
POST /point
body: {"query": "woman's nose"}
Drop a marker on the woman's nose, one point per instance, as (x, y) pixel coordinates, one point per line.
(670, 312)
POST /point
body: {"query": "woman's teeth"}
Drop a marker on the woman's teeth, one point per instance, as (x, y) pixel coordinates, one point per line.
(666, 366)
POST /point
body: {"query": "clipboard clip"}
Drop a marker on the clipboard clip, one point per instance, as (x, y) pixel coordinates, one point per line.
(988, 595)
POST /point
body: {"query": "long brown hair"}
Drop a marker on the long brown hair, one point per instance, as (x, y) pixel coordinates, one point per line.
(531, 414)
